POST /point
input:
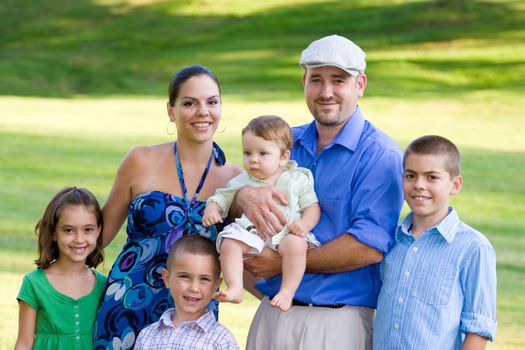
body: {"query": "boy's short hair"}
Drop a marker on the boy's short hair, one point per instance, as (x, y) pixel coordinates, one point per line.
(194, 244)
(271, 128)
(436, 145)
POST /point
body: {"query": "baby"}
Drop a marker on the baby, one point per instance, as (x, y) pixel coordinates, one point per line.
(266, 143)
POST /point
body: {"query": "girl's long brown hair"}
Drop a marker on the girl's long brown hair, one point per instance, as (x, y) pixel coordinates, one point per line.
(46, 226)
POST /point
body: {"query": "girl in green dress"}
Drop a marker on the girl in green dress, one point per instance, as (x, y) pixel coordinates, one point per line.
(58, 301)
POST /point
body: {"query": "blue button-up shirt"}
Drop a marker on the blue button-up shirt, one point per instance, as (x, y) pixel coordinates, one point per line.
(358, 182)
(437, 288)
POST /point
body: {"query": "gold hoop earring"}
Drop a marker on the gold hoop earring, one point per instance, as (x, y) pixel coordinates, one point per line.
(171, 132)
(223, 129)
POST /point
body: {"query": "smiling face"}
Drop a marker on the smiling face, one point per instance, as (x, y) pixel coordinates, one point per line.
(76, 234)
(197, 109)
(331, 94)
(263, 159)
(192, 279)
(427, 186)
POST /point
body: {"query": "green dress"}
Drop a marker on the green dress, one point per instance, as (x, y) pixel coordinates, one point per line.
(61, 322)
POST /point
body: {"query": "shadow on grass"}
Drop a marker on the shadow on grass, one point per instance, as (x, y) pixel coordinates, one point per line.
(494, 171)
(515, 268)
(444, 77)
(71, 48)
(17, 253)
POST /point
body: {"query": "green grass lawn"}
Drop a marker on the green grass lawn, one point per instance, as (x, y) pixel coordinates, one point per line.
(83, 81)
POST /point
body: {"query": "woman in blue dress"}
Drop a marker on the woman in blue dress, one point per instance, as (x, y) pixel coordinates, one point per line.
(162, 190)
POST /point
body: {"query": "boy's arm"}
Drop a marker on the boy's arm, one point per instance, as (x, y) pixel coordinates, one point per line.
(26, 327)
(212, 214)
(309, 218)
(478, 282)
(474, 342)
(308, 202)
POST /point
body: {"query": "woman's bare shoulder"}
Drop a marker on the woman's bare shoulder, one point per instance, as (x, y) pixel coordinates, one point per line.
(145, 154)
(223, 174)
(231, 170)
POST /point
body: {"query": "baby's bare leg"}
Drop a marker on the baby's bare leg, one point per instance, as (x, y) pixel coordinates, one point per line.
(293, 251)
(232, 270)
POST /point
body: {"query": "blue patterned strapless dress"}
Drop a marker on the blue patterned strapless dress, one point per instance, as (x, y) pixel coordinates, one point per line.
(135, 295)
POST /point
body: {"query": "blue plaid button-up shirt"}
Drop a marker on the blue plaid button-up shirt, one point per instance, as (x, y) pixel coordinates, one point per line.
(205, 333)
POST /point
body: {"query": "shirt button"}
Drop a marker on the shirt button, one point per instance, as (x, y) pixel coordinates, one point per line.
(407, 273)
(396, 325)
(414, 249)
(400, 300)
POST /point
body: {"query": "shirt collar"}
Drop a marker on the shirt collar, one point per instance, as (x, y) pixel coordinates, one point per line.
(447, 228)
(290, 165)
(165, 319)
(205, 322)
(347, 137)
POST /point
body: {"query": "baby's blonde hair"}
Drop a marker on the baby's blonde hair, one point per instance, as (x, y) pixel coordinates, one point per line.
(271, 128)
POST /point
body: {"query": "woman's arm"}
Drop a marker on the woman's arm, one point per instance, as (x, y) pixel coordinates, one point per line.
(116, 207)
(26, 327)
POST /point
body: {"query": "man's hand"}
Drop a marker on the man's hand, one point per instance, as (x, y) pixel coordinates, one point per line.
(258, 203)
(264, 265)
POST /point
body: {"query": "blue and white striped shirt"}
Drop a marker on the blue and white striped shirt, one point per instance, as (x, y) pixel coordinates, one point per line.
(205, 333)
(437, 288)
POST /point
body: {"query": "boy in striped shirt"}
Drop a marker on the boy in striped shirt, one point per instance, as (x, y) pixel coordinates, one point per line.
(192, 276)
(439, 279)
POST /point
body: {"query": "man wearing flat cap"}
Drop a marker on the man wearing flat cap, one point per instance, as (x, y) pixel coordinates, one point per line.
(357, 170)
